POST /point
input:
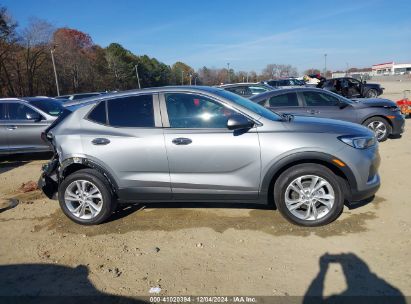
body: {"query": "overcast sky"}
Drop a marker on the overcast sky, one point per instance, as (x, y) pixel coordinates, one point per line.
(247, 34)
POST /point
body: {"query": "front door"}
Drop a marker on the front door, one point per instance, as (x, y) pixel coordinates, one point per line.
(206, 160)
(326, 105)
(24, 133)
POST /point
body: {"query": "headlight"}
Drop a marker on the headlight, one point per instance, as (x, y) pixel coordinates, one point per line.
(358, 142)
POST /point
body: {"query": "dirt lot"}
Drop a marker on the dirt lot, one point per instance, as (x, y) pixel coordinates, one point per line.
(208, 251)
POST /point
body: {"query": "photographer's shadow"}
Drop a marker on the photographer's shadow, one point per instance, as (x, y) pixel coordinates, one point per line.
(363, 286)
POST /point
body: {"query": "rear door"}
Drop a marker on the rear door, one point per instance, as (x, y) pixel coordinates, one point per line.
(3, 134)
(24, 133)
(323, 104)
(125, 135)
(286, 103)
(206, 160)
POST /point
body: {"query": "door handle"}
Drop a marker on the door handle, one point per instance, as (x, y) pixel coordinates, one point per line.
(100, 141)
(181, 141)
(313, 111)
(11, 128)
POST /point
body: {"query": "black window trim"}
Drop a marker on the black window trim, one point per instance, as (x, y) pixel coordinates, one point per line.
(166, 121)
(157, 119)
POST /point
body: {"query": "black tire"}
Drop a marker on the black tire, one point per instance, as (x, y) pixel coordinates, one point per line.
(371, 93)
(296, 171)
(377, 119)
(95, 177)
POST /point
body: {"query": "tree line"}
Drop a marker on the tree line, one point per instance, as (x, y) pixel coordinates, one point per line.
(26, 67)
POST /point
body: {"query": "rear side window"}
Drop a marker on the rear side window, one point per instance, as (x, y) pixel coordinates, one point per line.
(284, 100)
(98, 114)
(132, 111)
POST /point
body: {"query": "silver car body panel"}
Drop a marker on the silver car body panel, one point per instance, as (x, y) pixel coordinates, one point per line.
(23, 136)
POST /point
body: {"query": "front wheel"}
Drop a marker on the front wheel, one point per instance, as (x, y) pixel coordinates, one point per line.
(371, 93)
(380, 126)
(85, 197)
(309, 195)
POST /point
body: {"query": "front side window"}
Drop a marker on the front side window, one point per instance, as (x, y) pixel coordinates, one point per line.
(19, 111)
(284, 100)
(195, 111)
(316, 99)
(131, 111)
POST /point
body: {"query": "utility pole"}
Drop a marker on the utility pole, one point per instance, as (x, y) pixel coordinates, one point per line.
(247, 76)
(138, 78)
(325, 65)
(54, 67)
(228, 72)
(195, 80)
(191, 76)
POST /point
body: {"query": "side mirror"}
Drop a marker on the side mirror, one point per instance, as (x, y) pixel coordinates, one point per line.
(33, 116)
(364, 82)
(239, 122)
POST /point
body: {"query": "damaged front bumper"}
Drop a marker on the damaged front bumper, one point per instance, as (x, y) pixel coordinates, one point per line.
(49, 179)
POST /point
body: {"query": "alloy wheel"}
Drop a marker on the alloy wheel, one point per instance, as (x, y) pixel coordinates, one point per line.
(83, 199)
(309, 197)
(379, 129)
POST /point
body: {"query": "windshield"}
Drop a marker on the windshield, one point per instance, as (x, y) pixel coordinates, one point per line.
(248, 104)
(49, 106)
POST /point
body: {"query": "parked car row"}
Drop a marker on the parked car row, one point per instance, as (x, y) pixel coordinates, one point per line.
(380, 115)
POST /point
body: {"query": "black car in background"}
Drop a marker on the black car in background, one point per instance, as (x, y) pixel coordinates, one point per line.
(352, 88)
(246, 89)
(284, 82)
(380, 115)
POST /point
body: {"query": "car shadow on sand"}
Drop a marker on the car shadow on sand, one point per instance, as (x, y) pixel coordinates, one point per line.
(47, 283)
(363, 286)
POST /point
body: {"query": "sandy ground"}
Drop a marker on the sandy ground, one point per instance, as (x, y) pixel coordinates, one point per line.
(208, 251)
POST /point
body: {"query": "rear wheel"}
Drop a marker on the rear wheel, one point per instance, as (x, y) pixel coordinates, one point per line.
(85, 197)
(371, 93)
(309, 195)
(380, 126)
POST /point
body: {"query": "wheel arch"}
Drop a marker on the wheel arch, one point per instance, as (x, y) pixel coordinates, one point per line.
(74, 164)
(380, 116)
(270, 178)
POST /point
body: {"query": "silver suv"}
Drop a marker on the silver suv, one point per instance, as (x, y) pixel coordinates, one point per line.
(202, 144)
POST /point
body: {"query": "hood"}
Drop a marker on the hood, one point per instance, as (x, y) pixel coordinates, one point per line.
(373, 102)
(325, 125)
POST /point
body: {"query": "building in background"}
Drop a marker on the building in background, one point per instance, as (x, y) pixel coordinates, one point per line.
(391, 68)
